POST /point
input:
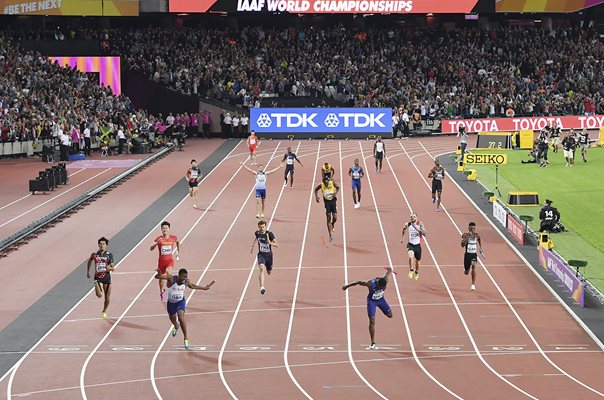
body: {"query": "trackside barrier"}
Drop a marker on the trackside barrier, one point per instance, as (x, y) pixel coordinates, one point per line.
(13, 240)
(550, 260)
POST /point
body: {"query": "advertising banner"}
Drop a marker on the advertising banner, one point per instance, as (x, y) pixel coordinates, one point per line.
(70, 7)
(522, 123)
(326, 6)
(544, 6)
(321, 120)
(516, 229)
(499, 213)
(563, 273)
(494, 159)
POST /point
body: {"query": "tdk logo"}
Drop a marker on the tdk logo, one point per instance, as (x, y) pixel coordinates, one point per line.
(290, 120)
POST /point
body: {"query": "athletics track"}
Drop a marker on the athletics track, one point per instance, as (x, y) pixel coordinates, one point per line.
(305, 338)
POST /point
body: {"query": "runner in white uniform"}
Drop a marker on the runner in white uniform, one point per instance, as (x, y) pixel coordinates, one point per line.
(261, 175)
(379, 151)
(414, 247)
(176, 299)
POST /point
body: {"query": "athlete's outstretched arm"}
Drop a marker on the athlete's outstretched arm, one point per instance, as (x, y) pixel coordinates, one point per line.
(165, 277)
(355, 283)
(274, 169)
(388, 272)
(205, 287)
(248, 168)
(299, 162)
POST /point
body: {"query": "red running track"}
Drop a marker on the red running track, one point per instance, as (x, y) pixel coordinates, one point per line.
(306, 338)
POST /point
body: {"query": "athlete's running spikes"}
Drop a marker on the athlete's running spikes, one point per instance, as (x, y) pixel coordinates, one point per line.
(472, 287)
(104, 314)
(372, 346)
(416, 276)
(285, 184)
(187, 345)
(174, 331)
(262, 290)
(330, 238)
(161, 295)
(411, 274)
(433, 200)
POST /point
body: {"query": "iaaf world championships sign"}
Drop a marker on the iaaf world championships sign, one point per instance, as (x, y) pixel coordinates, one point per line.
(517, 124)
(357, 6)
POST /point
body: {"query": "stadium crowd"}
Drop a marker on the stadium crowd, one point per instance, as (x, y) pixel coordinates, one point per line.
(440, 73)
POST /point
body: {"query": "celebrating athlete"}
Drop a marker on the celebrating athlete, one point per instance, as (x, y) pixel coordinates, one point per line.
(165, 245)
(330, 189)
(176, 299)
(379, 151)
(437, 173)
(375, 299)
(289, 158)
(265, 240)
(356, 173)
(414, 243)
(193, 176)
(103, 265)
(261, 175)
(472, 244)
(253, 142)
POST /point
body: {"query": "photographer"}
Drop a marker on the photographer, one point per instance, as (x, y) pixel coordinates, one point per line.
(542, 146)
(549, 217)
(463, 141)
(532, 154)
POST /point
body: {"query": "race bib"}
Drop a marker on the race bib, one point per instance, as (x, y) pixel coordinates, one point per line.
(328, 193)
(471, 247)
(413, 234)
(166, 250)
(194, 174)
(260, 178)
(290, 161)
(252, 141)
(264, 248)
(101, 266)
(356, 175)
(438, 175)
(377, 295)
(176, 296)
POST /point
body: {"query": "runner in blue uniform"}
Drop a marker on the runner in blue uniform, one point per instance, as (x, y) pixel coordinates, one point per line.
(375, 299)
(356, 173)
(261, 175)
(266, 240)
(176, 299)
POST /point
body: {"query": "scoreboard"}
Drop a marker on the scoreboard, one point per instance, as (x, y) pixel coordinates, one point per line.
(494, 140)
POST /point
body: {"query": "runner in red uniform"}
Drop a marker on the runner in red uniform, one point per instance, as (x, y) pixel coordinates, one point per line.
(253, 142)
(165, 245)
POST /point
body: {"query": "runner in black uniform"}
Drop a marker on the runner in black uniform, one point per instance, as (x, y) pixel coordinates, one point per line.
(103, 265)
(192, 176)
(542, 146)
(555, 137)
(472, 244)
(265, 240)
(569, 144)
(583, 141)
(437, 173)
(289, 158)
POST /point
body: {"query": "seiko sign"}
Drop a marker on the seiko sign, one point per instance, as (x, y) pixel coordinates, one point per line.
(321, 120)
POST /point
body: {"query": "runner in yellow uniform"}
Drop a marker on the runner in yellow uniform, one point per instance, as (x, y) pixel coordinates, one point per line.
(330, 189)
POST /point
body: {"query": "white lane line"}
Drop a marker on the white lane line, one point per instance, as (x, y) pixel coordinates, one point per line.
(347, 296)
(167, 334)
(54, 198)
(297, 285)
(400, 299)
(12, 371)
(505, 298)
(454, 301)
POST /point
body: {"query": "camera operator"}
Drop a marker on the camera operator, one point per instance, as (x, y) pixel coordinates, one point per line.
(463, 141)
(549, 217)
(532, 154)
(542, 146)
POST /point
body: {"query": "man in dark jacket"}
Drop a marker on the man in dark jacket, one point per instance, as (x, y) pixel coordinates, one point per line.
(549, 216)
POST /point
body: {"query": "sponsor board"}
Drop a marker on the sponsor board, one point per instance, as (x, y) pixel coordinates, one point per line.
(515, 229)
(496, 159)
(500, 214)
(70, 7)
(544, 6)
(525, 123)
(321, 120)
(552, 264)
(325, 6)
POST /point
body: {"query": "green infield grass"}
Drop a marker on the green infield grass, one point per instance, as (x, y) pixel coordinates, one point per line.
(575, 191)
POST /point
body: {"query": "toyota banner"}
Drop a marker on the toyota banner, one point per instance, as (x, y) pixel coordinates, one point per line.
(322, 122)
